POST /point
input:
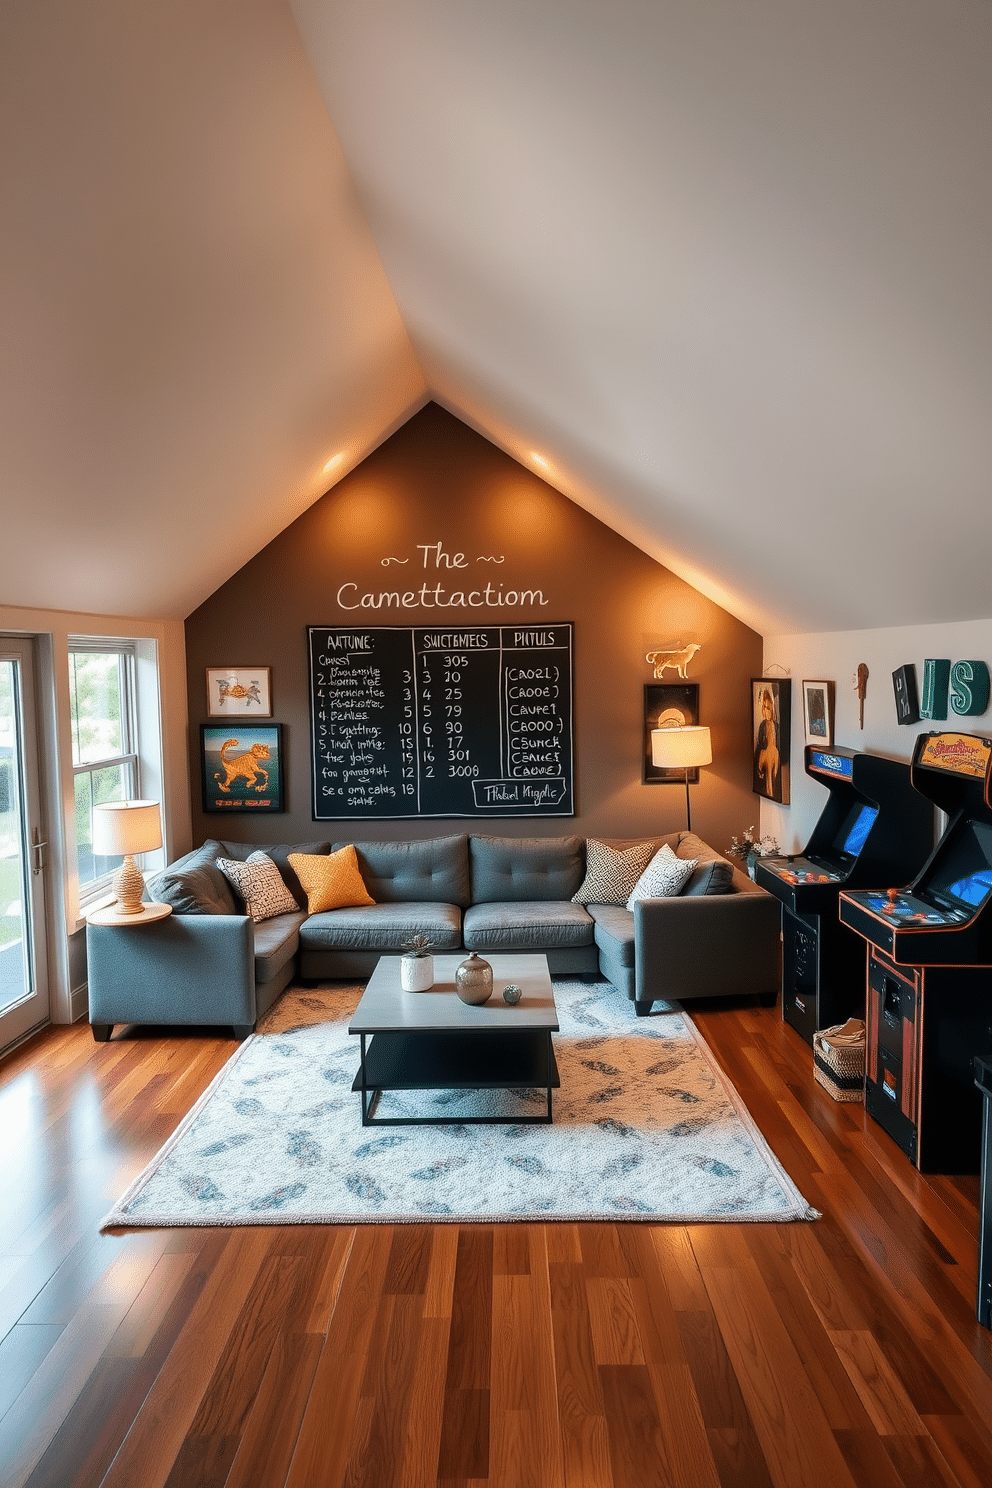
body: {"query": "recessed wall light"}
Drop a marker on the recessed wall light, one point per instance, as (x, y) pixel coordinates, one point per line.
(539, 460)
(330, 464)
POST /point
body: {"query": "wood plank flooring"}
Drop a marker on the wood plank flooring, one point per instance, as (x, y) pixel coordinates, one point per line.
(844, 1352)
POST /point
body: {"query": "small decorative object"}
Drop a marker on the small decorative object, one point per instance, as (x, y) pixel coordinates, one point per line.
(242, 767)
(511, 993)
(907, 701)
(417, 964)
(861, 688)
(474, 980)
(818, 711)
(771, 713)
(239, 692)
(677, 659)
(750, 848)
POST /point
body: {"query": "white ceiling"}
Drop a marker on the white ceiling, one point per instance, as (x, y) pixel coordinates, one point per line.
(725, 267)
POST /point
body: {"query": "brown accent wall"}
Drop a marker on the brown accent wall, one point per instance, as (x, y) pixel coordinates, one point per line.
(437, 481)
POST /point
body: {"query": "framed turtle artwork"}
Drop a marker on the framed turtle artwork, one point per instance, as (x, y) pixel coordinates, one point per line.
(239, 692)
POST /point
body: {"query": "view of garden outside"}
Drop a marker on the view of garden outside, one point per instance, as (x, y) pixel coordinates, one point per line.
(11, 894)
(100, 731)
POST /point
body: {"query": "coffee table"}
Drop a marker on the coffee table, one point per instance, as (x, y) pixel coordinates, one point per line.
(434, 1041)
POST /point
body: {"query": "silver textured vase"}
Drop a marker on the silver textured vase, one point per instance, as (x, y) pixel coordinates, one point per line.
(474, 980)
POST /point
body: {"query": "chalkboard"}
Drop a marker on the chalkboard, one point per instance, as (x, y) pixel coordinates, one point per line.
(423, 721)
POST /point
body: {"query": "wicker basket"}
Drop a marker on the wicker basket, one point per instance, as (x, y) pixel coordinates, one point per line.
(839, 1060)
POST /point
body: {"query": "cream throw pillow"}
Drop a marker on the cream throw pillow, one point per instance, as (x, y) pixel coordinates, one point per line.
(664, 877)
(260, 885)
(331, 880)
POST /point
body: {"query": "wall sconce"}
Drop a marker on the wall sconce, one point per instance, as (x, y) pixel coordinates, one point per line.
(682, 749)
(127, 827)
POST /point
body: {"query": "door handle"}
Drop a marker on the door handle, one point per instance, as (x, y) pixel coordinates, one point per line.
(38, 848)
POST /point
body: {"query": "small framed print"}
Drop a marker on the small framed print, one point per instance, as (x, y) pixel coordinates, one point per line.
(241, 767)
(239, 692)
(818, 712)
(668, 705)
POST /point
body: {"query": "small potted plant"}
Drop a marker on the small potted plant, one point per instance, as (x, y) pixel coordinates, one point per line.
(749, 848)
(417, 964)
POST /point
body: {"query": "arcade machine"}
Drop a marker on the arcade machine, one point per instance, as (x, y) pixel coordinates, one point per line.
(930, 968)
(874, 829)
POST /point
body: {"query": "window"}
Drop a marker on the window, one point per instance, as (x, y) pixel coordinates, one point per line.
(104, 744)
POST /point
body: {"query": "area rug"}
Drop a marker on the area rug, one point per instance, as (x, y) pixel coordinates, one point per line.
(645, 1127)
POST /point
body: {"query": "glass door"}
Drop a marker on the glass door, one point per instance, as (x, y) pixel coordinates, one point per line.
(23, 850)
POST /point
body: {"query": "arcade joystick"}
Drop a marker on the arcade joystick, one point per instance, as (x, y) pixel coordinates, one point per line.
(892, 895)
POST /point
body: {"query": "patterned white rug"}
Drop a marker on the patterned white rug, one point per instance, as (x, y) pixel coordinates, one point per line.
(645, 1127)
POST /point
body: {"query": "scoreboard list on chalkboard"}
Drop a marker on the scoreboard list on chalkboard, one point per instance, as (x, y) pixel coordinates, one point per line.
(422, 721)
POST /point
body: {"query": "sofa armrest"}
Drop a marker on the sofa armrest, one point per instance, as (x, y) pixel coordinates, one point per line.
(192, 969)
(716, 945)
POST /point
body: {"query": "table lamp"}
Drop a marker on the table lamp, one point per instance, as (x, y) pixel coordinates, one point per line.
(681, 749)
(125, 828)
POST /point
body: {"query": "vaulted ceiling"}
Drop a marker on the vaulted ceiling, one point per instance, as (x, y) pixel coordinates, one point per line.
(719, 272)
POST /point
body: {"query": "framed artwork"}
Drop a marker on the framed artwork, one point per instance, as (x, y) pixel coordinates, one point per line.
(668, 705)
(818, 712)
(771, 732)
(239, 692)
(241, 767)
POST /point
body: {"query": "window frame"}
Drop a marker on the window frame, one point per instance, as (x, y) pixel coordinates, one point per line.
(129, 759)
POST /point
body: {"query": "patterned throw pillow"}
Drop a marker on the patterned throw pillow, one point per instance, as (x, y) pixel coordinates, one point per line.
(612, 872)
(664, 877)
(260, 885)
(331, 881)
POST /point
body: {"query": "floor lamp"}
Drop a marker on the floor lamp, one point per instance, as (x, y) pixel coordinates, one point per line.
(681, 749)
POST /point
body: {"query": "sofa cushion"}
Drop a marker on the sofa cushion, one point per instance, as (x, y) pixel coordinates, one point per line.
(520, 925)
(260, 885)
(194, 884)
(663, 878)
(614, 931)
(510, 869)
(612, 872)
(383, 927)
(330, 881)
(432, 871)
(276, 942)
(279, 853)
(712, 875)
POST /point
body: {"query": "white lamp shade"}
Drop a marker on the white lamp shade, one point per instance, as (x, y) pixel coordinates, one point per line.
(121, 828)
(681, 748)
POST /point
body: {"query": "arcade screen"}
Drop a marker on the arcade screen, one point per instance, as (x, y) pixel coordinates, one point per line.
(963, 872)
(853, 831)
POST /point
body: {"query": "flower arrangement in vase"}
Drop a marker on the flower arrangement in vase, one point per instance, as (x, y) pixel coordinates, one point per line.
(750, 848)
(417, 964)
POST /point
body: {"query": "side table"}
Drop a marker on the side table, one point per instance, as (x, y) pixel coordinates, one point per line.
(110, 916)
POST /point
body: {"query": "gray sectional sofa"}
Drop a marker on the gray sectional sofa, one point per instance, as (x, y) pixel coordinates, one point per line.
(209, 963)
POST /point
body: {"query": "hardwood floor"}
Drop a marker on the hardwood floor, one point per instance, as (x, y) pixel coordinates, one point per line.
(842, 1352)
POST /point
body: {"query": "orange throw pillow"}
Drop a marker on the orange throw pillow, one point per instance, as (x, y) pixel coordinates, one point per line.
(331, 880)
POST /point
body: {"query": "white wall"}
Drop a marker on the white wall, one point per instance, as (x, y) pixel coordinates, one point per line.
(834, 656)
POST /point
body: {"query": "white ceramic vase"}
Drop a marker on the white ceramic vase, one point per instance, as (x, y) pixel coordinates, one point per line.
(416, 973)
